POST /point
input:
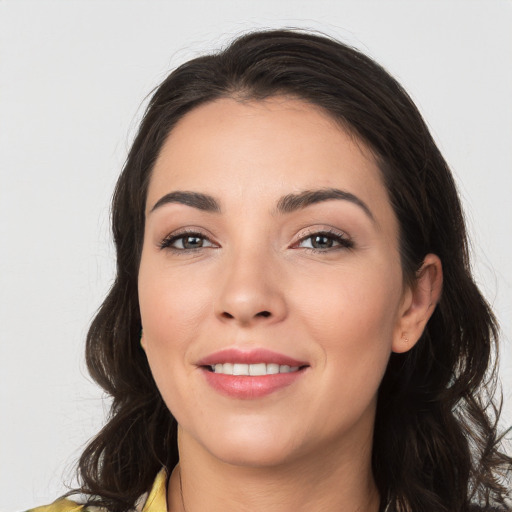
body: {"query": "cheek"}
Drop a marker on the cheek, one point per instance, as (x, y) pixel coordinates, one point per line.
(169, 325)
(172, 304)
(353, 316)
(351, 303)
(172, 310)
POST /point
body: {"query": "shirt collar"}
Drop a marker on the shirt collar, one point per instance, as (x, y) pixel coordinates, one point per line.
(156, 499)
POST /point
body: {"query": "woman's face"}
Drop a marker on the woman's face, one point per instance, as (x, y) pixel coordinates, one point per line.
(270, 246)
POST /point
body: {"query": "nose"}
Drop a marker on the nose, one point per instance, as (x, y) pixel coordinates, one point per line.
(251, 291)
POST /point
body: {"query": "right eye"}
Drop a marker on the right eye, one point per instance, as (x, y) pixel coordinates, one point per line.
(188, 241)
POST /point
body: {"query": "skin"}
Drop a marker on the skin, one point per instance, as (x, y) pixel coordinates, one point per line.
(256, 283)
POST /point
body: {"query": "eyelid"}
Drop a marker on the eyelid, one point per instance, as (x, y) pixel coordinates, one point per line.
(166, 242)
(343, 239)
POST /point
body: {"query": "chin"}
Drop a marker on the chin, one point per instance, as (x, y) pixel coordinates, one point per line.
(250, 445)
(255, 454)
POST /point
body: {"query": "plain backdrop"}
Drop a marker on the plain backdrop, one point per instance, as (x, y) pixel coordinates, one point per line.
(73, 79)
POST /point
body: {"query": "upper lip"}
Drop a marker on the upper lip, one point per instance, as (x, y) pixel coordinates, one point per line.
(252, 356)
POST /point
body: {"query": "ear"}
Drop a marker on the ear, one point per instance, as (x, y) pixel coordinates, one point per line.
(142, 340)
(419, 302)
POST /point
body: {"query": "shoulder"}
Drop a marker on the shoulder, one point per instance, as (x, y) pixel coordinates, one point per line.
(64, 505)
(154, 500)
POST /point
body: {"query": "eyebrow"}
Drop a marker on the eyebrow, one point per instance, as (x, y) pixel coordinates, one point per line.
(293, 202)
(286, 204)
(197, 200)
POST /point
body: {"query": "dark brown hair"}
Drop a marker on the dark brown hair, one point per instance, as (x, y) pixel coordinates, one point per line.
(436, 446)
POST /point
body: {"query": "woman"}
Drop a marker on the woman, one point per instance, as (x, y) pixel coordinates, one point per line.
(293, 324)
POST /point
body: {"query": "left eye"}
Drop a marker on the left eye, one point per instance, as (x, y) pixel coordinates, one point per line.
(325, 241)
(186, 241)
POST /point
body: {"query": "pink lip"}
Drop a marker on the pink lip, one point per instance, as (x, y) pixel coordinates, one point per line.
(260, 355)
(250, 387)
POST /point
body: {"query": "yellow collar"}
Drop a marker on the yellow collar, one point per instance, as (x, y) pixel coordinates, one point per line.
(152, 501)
(157, 498)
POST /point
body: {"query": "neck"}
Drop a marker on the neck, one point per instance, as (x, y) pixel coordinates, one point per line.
(327, 481)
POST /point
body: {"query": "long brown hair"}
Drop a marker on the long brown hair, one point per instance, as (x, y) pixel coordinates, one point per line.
(436, 443)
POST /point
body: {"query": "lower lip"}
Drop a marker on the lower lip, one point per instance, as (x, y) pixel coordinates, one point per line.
(247, 387)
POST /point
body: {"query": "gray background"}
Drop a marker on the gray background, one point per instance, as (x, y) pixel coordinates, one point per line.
(73, 75)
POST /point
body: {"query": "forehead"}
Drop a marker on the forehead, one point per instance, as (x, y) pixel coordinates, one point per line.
(256, 151)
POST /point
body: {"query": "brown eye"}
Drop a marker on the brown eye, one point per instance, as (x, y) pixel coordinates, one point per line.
(324, 241)
(186, 242)
(191, 242)
(321, 242)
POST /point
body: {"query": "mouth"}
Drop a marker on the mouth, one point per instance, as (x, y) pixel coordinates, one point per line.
(264, 361)
(252, 370)
(251, 374)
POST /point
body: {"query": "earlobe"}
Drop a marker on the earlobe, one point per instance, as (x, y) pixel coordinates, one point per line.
(419, 304)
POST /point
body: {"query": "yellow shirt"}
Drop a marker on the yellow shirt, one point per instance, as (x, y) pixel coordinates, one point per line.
(154, 501)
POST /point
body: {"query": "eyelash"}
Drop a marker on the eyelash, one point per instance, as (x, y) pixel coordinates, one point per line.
(343, 241)
(167, 242)
(339, 237)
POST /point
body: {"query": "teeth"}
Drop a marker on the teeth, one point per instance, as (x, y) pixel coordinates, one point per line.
(240, 369)
(253, 369)
(258, 369)
(272, 368)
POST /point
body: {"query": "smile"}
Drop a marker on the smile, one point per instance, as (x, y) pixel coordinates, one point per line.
(257, 369)
(251, 374)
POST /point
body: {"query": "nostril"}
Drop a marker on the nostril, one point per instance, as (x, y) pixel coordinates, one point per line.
(264, 314)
